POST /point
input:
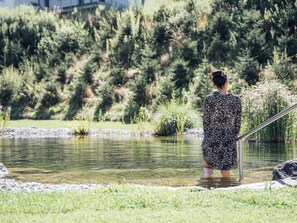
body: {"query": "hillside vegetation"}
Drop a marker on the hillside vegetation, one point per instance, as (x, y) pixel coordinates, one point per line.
(121, 65)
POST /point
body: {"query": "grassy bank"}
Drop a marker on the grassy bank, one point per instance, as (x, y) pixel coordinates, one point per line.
(130, 204)
(69, 124)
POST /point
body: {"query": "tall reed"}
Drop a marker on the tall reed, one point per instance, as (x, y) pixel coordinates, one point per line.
(174, 116)
(4, 119)
(264, 101)
(81, 124)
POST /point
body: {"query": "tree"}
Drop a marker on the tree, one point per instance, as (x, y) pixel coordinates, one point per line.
(248, 67)
(181, 74)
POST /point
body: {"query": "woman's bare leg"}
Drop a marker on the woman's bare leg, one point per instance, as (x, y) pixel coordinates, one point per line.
(207, 170)
(225, 173)
(206, 165)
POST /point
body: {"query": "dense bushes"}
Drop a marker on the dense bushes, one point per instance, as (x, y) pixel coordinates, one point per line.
(21, 32)
(262, 102)
(113, 63)
(10, 82)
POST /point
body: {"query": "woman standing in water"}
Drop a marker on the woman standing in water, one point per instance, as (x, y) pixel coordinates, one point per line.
(221, 125)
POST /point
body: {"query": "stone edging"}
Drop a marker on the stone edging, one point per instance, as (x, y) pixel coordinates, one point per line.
(12, 185)
(65, 132)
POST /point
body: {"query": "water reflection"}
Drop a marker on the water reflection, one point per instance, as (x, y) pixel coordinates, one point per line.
(215, 182)
(154, 161)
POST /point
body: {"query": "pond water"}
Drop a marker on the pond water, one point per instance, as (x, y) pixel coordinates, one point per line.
(148, 161)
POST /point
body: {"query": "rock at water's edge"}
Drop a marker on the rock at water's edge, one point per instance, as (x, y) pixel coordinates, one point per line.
(285, 170)
(3, 170)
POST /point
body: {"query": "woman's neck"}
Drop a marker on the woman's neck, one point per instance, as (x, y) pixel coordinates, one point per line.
(223, 91)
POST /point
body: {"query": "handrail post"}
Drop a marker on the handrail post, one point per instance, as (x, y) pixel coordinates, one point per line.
(256, 129)
(240, 160)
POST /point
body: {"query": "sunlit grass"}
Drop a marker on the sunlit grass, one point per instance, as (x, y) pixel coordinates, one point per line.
(69, 124)
(151, 6)
(137, 204)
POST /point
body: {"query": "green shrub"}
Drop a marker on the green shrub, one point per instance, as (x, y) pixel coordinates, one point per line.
(149, 65)
(263, 101)
(81, 125)
(143, 115)
(161, 91)
(88, 71)
(13, 53)
(188, 51)
(248, 68)
(118, 77)
(181, 74)
(61, 74)
(21, 31)
(217, 51)
(256, 42)
(236, 83)
(29, 93)
(105, 93)
(162, 15)
(139, 87)
(201, 85)
(131, 111)
(50, 95)
(254, 33)
(172, 117)
(42, 71)
(161, 29)
(10, 82)
(221, 24)
(42, 113)
(71, 37)
(104, 26)
(126, 39)
(76, 101)
(283, 67)
(125, 111)
(116, 112)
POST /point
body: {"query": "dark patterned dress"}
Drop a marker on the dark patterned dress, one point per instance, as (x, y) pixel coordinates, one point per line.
(221, 125)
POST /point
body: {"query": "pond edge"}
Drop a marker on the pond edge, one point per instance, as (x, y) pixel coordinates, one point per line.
(11, 185)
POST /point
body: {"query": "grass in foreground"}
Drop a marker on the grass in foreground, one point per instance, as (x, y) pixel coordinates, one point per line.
(129, 204)
(68, 124)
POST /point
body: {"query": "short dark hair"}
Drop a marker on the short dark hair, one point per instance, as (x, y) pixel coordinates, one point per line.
(219, 78)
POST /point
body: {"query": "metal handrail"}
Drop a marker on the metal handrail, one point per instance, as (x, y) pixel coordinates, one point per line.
(256, 129)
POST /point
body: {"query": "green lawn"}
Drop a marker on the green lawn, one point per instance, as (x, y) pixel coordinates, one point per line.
(123, 203)
(69, 124)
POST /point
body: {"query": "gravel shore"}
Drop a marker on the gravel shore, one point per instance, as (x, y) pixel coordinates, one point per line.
(36, 133)
(12, 185)
(64, 133)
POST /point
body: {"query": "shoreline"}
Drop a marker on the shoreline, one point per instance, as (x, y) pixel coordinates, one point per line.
(11, 185)
(68, 133)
